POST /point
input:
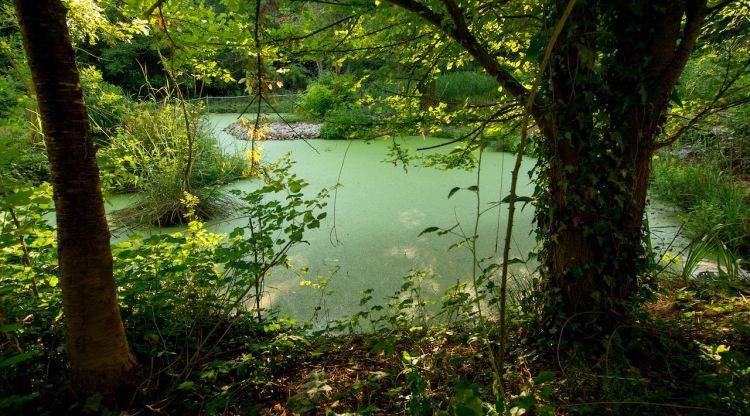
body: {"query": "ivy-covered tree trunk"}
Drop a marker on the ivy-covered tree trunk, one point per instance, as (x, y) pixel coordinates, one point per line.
(611, 78)
(600, 109)
(99, 356)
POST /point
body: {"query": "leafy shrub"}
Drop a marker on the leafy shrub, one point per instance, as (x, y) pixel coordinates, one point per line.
(149, 154)
(106, 104)
(330, 91)
(317, 99)
(349, 123)
(10, 92)
(187, 299)
(21, 159)
(31, 334)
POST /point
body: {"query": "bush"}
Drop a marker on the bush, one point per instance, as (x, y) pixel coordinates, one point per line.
(106, 104)
(149, 154)
(21, 159)
(350, 123)
(10, 92)
(180, 294)
(317, 99)
(330, 91)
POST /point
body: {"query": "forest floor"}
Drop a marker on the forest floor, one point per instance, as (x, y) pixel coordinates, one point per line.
(687, 353)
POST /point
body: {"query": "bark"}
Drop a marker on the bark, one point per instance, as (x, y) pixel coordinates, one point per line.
(99, 356)
(605, 121)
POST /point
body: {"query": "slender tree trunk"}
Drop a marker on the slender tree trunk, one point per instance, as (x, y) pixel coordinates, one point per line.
(99, 356)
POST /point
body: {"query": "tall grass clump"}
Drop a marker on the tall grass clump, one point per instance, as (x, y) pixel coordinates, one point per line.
(149, 155)
(712, 199)
(477, 87)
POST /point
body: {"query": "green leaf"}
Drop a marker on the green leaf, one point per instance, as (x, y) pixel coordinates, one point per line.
(453, 191)
(518, 199)
(10, 327)
(515, 260)
(466, 401)
(18, 358)
(428, 230)
(185, 385)
(544, 377)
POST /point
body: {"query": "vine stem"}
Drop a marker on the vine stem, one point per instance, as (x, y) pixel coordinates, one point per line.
(514, 179)
(497, 388)
(26, 256)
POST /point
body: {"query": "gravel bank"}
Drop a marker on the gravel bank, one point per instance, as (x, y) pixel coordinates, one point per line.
(279, 131)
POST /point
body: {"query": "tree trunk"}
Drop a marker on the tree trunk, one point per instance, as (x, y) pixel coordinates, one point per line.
(99, 356)
(600, 135)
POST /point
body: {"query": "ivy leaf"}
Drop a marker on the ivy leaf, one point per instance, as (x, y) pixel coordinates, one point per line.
(18, 358)
(185, 385)
(525, 199)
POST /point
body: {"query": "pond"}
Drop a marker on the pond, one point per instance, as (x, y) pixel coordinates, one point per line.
(373, 239)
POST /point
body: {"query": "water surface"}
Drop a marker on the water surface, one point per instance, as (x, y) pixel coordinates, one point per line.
(373, 238)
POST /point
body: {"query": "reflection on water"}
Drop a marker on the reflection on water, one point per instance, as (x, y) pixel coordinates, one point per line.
(380, 211)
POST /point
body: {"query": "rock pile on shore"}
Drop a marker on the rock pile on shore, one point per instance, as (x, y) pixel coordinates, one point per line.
(279, 131)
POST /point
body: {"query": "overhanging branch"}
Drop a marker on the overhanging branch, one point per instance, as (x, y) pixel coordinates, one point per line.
(459, 31)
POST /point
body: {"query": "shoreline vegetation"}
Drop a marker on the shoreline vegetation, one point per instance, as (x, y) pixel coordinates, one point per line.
(591, 318)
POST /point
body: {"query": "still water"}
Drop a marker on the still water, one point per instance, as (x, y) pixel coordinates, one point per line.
(380, 209)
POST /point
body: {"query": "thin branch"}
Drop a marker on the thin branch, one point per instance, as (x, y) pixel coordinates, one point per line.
(711, 108)
(506, 109)
(517, 169)
(153, 7)
(314, 32)
(461, 34)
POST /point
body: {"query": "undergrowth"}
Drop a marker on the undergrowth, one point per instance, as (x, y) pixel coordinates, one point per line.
(149, 155)
(191, 303)
(709, 196)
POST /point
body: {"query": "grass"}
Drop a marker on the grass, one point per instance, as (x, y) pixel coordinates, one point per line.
(710, 198)
(278, 103)
(149, 156)
(477, 87)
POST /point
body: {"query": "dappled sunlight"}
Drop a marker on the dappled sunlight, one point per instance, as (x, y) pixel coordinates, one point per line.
(409, 252)
(412, 218)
